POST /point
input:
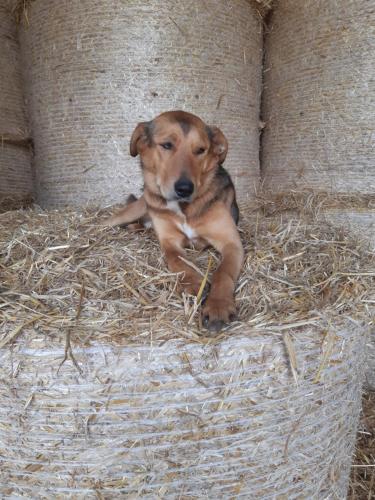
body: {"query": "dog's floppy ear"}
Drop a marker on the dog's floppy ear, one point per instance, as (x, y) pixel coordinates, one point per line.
(141, 133)
(219, 143)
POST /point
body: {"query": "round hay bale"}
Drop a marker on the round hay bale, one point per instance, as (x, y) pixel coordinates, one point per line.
(361, 223)
(370, 372)
(145, 404)
(15, 162)
(12, 110)
(15, 172)
(318, 102)
(162, 419)
(94, 69)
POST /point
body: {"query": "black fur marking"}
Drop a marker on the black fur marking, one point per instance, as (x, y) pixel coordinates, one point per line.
(235, 212)
(224, 178)
(225, 183)
(185, 125)
(149, 132)
(209, 133)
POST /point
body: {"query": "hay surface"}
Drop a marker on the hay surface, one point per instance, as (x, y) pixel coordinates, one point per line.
(295, 272)
(116, 390)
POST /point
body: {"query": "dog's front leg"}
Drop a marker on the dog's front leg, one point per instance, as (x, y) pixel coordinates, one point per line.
(135, 210)
(172, 244)
(221, 232)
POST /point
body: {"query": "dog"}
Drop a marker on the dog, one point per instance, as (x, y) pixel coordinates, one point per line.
(189, 198)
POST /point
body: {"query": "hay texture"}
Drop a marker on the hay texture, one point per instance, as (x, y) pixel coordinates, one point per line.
(15, 159)
(318, 101)
(349, 214)
(362, 480)
(95, 68)
(361, 223)
(111, 387)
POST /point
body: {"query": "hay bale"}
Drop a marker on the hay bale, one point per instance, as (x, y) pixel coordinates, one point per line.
(12, 110)
(145, 403)
(15, 161)
(15, 172)
(318, 96)
(159, 419)
(351, 216)
(361, 224)
(96, 68)
(370, 372)
(362, 481)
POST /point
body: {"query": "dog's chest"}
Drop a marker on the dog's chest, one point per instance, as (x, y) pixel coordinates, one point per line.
(188, 231)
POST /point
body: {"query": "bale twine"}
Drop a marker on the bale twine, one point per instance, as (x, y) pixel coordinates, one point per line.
(318, 97)
(171, 419)
(96, 68)
(15, 168)
(111, 387)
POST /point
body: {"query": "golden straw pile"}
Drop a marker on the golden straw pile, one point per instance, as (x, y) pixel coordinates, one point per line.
(60, 264)
(111, 386)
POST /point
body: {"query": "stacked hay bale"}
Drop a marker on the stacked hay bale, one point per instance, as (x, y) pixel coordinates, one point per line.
(318, 105)
(111, 388)
(318, 96)
(96, 68)
(15, 159)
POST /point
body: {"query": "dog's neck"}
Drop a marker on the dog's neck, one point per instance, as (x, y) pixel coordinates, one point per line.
(159, 204)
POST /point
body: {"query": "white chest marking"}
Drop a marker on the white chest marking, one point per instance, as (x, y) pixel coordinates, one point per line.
(175, 207)
(185, 228)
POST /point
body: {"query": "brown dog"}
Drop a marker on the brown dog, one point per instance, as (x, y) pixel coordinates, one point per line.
(189, 197)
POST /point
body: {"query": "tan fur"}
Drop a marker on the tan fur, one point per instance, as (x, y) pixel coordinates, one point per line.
(204, 219)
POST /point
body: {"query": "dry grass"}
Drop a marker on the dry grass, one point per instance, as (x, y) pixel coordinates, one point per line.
(19, 9)
(362, 481)
(15, 203)
(311, 203)
(295, 273)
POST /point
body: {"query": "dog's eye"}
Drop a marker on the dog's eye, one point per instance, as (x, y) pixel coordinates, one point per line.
(200, 151)
(167, 145)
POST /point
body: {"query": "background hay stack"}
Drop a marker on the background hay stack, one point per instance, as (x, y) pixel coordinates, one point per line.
(15, 168)
(318, 106)
(95, 68)
(318, 96)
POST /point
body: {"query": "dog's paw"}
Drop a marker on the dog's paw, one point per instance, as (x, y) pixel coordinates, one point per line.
(190, 285)
(217, 313)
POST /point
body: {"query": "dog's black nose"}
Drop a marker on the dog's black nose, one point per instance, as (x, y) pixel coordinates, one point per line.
(184, 188)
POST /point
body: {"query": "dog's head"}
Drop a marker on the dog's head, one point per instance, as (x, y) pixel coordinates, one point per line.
(179, 153)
